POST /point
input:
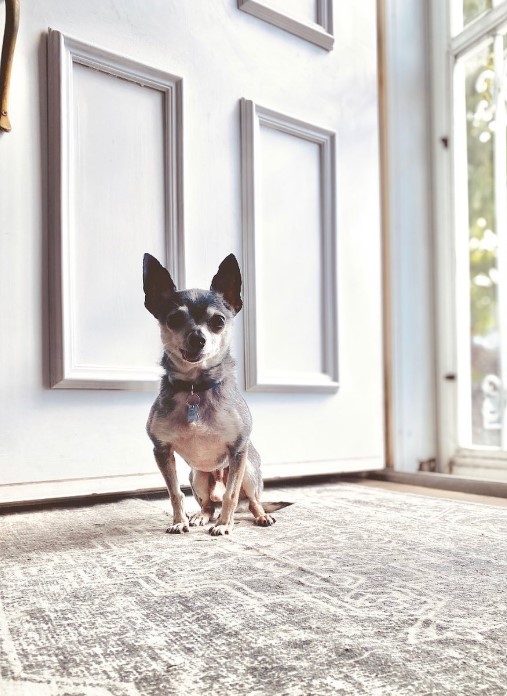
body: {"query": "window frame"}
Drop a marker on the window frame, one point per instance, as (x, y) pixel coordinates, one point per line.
(450, 260)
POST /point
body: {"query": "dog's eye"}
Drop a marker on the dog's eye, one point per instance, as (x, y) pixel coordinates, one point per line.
(217, 322)
(175, 320)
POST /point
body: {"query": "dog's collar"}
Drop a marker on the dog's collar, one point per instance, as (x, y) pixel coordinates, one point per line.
(180, 385)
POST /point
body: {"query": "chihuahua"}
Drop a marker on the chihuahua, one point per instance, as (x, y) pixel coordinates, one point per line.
(199, 412)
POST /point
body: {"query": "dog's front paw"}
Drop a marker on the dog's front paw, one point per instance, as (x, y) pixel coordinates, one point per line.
(199, 519)
(221, 529)
(177, 528)
(264, 520)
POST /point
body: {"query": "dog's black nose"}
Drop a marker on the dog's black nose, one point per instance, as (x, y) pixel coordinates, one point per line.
(196, 340)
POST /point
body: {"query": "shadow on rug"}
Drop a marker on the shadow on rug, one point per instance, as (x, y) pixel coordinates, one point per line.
(354, 591)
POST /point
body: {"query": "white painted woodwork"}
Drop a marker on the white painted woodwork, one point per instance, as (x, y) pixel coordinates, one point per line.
(444, 276)
(289, 215)
(411, 262)
(311, 20)
(110, 218)
(115, 184)
(222, 55)
(473, 34)
(290, 223)
(451, 43)
(306, 10)
(72, 489)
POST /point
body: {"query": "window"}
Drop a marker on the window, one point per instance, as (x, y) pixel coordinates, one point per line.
(470, 94)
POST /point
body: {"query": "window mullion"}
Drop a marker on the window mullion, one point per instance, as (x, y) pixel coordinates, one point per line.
(461, 227)
(500, 178)
(478, 30)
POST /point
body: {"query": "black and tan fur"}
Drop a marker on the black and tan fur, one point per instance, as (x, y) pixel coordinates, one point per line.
(195, 327)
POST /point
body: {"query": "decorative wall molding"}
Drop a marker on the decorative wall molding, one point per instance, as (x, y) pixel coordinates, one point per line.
(319, 33)
(64, 53)
(252, 118)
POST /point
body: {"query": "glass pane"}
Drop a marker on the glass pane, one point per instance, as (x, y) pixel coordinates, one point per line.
(474, 8)
(482, 162)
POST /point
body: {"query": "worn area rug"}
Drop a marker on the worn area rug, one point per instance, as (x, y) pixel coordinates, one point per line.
(354, 590)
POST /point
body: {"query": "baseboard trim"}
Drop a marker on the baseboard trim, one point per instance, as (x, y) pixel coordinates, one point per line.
(95, 489)
(87, 489)
(15, 496)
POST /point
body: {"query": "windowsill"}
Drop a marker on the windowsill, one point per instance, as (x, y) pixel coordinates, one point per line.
(450, 482)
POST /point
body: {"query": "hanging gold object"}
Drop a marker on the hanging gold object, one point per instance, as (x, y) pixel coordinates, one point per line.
(10, 34)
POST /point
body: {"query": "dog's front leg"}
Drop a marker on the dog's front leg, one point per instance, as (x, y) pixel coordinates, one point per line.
(164, 456)
(237, 466)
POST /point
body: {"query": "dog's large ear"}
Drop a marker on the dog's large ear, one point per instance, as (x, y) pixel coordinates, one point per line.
(228, 282)
(157, 284)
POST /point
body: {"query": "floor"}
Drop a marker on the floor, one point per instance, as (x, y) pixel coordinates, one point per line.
(359, 588)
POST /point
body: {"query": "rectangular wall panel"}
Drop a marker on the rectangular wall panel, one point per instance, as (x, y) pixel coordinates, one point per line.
(311, 20)
(115, 127)
(305, 10)
(290, 253)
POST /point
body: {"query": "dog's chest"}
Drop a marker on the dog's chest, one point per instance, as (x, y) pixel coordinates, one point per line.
(201, 450)
(202, 443)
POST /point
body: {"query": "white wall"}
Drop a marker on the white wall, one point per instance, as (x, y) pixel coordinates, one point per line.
(50, 433)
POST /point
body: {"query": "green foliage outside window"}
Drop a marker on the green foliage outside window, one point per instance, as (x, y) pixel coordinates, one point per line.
(481, 196)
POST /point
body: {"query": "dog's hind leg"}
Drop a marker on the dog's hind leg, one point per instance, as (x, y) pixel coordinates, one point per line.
(252, 489)
(201, 482)
(217, 489)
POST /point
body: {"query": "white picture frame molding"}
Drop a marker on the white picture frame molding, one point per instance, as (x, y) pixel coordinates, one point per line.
(319, 33)
(63, 52)
(253, 117)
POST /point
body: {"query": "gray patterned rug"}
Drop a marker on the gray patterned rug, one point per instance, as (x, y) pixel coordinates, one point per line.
(354, 591)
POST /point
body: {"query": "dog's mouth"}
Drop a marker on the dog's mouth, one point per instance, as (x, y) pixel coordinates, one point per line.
(191, 357)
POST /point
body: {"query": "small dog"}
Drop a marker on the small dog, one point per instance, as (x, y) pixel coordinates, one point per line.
(199, 412)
